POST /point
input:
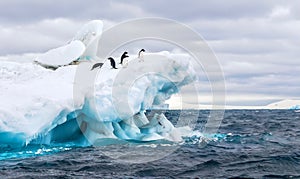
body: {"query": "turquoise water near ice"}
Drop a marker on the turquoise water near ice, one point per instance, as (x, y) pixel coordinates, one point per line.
(249, 144)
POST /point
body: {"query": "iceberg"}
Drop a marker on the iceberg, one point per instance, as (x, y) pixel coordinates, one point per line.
(42, 106)
(285, 104)
(296, 107)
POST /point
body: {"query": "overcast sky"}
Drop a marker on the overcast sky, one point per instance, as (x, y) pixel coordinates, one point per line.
(256, 42)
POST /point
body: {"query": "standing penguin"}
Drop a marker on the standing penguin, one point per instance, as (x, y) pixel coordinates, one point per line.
(124, 55)
(112, 62)
(141, 55)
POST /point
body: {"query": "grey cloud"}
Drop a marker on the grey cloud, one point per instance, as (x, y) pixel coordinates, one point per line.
(258, 47)
(253, 46)
(259, 28)
(21, 12)
(37, 37)
(195, 9)
(186, 11)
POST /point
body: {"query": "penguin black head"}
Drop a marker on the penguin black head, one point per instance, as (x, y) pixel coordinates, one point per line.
(124, 55)
(143, 50)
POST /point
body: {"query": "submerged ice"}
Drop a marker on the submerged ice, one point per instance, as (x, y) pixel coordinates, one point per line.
(38, 104)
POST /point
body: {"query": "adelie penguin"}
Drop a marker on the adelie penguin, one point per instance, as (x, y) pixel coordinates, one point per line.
(141, 55)
(96, 65)
(124, 55)
(112, 62)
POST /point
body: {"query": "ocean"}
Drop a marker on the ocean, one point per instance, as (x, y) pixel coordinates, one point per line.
(249, 144)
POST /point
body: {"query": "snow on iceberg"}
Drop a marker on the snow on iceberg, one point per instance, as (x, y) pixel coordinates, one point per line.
(38, 105)
(84, 46)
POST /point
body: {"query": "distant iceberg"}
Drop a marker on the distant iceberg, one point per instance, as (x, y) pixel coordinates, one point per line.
(285, 104)
(37, 104)
(288, 104)
(296, 107)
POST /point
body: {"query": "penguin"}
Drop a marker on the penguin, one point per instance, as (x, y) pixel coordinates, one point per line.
(96, 65)
(159, 123)
(124, 55)
(112, 62)
(140, 55)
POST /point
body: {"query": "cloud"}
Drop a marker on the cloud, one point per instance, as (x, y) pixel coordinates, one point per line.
(256, 42)
(37, 37)
(259, 56)
(30, 11)
(257, 28)
(280, 12)
(195, 9)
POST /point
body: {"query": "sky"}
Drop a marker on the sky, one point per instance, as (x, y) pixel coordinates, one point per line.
(256, 42)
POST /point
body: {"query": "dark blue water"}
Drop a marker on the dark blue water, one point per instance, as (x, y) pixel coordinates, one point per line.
(253, 144)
